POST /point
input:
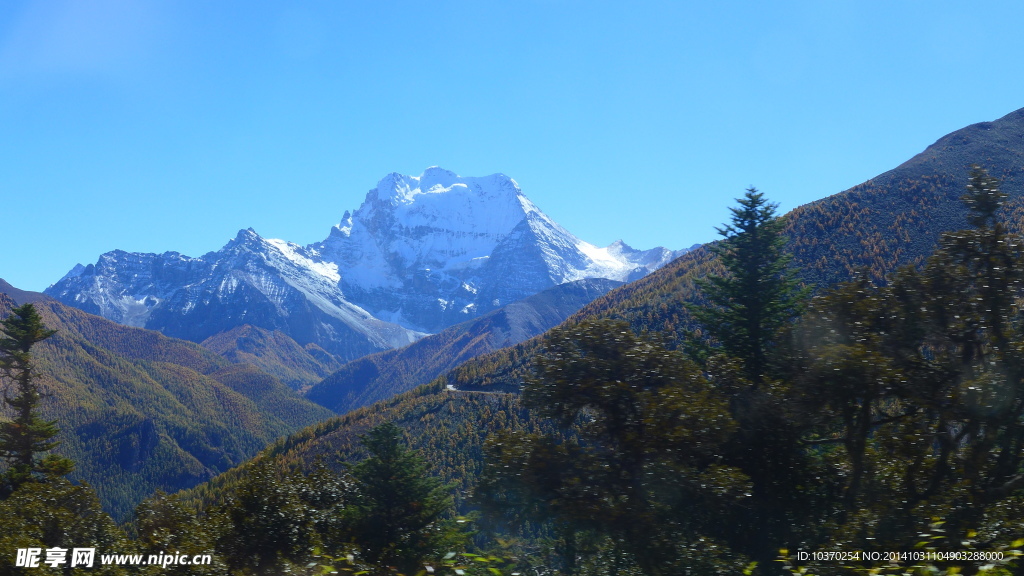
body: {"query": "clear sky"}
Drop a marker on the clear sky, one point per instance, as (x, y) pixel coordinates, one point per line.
(153, 126)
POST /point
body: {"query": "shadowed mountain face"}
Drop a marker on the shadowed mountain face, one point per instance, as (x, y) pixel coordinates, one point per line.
(421, 254)
(379, 376)
(139, 411)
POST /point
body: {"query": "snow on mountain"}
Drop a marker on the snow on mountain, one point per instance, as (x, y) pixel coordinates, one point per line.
(434, 221)
(420, 254)
(265, 283)
(433, 250)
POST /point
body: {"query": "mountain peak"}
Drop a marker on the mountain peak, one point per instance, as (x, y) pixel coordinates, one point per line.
(245, 237)
(343, 228)
(401, 189)
(620, 247)
(438, 173)
(425, 251)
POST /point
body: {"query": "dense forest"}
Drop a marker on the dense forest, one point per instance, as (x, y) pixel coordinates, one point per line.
(740, 430)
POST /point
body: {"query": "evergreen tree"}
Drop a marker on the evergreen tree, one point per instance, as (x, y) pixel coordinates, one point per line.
(637, 462)
(269, 528)
(23, 439)
(395, 517)
(746, 311)
(759, 294)
(58, 514)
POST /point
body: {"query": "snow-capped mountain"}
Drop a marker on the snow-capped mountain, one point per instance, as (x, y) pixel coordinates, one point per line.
(433, 250)
(420, 254)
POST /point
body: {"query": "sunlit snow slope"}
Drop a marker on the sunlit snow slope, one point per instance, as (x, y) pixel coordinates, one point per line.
(433, 250)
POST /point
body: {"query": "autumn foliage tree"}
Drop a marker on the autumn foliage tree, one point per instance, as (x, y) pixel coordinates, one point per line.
(638, 463)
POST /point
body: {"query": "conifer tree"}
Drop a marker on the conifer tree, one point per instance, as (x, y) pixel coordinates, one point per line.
(759, 293)
(396, 514)
(23, 439)
(745, 311)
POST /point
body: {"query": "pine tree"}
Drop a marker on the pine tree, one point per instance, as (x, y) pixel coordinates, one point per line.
(759, 294)
(24, 438)
(745, 312)
(396, 514)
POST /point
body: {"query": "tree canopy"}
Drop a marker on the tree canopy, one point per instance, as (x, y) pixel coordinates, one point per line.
(887, 413)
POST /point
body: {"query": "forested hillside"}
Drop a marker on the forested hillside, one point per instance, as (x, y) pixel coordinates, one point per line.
(448, 427)
(275, 353)
(139, 411)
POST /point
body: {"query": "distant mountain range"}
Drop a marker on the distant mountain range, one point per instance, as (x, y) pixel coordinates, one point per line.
(384, 374)
(421, 254)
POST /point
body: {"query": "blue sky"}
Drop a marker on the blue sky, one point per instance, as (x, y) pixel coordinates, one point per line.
(154, 126)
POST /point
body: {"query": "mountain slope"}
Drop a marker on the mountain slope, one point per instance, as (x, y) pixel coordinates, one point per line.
(273, 352)
(448, 428)
(889, 221)
(139, 411)
(897, 217)
(379, 376)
